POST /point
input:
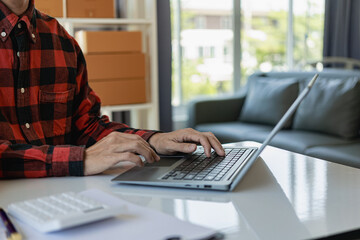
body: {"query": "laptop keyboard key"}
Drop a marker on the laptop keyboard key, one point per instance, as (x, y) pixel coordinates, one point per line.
(189, 177)
(199, 177)
(179, 176)
(209, 178)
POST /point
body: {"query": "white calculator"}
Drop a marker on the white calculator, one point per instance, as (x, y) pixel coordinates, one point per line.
(57, 212)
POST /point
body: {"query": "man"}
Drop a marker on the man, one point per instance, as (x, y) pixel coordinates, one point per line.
(50, 123)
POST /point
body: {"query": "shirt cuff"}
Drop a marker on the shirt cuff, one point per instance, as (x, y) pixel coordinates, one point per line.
(149, 134)
(67, 161)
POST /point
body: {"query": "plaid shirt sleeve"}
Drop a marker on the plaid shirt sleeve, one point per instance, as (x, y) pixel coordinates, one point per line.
(24, 160)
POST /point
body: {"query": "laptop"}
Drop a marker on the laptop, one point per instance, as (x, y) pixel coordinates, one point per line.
(199, 172)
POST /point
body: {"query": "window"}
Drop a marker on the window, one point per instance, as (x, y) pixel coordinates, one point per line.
(263, 35)
(226, 22)
(200, 22)
(308, 32)
(201, 66)
(275, 35)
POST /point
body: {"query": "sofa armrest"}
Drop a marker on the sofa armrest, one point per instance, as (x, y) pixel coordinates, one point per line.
(215, 110)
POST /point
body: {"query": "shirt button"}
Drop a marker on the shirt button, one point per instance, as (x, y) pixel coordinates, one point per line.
(19, 25)
(22, 90)
(33, 36)
(27, 125)
(18, 54)
(3, 34)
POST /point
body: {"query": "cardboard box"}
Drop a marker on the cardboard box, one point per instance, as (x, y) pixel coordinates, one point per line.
(53, 8)
(90, 8)
(120, 91)
(109, 41)
(115, 66)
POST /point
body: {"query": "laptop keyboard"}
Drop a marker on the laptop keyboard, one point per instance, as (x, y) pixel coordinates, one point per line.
(198, 167)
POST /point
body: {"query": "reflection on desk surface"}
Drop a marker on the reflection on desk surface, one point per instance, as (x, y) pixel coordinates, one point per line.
(264, 215)
(287, 191)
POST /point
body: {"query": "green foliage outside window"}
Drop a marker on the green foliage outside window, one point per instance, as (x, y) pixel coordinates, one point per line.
(271, 49)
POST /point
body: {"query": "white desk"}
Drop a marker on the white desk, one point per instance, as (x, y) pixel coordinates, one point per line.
(284, 196)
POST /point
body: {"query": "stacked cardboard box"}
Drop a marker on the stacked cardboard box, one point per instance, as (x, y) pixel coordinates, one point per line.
(116, 66)
(90, 8)
(78, 8)
(52, 8)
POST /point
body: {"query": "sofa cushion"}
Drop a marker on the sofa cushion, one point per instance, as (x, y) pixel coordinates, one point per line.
(292, 140)
(332, 107)
(300, 141)
(344, 154)
(268, 99)
(233, 131)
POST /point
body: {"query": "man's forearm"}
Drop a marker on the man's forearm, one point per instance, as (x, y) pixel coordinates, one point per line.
(28, 161)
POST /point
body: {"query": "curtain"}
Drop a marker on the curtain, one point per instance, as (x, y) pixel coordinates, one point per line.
(342, 29)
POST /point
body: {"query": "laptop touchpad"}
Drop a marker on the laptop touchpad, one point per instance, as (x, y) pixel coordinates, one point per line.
(164, 162)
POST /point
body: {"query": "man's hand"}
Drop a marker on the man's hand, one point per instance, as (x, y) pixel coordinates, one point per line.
(115, 148)
(185, 141)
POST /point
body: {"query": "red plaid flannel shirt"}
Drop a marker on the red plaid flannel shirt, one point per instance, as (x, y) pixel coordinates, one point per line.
(49, 114)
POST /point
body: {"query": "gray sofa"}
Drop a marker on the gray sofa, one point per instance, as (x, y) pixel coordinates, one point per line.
(326, 125)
